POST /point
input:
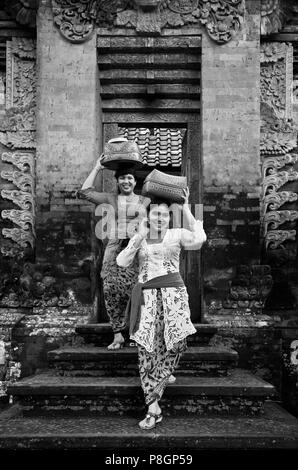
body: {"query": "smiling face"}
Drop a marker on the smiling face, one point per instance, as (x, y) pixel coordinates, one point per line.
(126, 184)
(159, 217)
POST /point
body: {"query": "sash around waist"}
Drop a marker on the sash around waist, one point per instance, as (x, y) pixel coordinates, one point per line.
(133, 308)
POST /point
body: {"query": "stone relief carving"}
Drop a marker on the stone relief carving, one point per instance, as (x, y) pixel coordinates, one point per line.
(22, 199)
(278, 144)
(77, 20)
(274, 14)
(276, 238)
(17, 132)
(249, 288)
(277, 77)
(20, 70)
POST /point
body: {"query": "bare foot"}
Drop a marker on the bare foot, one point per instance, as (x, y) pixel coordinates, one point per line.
(117, 343)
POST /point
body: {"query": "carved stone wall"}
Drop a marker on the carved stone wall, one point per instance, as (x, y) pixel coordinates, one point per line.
(279, 158)
(17, 139)
(77, 20)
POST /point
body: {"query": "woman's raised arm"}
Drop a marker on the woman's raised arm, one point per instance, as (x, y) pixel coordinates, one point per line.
(88, 191)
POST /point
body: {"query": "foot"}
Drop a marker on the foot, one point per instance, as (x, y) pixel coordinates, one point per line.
(151, 420)
(171, 379)
(117, 343)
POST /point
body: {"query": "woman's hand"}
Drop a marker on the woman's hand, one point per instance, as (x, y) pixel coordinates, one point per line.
(143, 228)
(185, 195)
(98, 164)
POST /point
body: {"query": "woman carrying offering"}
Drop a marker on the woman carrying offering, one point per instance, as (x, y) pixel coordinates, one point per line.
(127, 208)
(159, 315)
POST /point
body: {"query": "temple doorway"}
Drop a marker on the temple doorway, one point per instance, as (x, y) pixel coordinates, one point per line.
(150, 93)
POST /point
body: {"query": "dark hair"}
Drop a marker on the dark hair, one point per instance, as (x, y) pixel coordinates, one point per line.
(157, 201)
(125, 171)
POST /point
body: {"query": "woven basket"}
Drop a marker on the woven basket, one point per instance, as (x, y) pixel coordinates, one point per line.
(164, 186)
(120, 151)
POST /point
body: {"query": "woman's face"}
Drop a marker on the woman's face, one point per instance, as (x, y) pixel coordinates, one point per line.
(159, 217)
(126, 184)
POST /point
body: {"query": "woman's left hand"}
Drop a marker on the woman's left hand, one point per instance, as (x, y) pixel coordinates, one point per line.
(186, 195)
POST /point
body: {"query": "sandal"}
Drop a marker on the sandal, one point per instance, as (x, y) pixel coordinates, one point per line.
(145, 424)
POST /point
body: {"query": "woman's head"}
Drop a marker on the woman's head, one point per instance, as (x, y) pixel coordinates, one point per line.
(126, 180)
(159, 215)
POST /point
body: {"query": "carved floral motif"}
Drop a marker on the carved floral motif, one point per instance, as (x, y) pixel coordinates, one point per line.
(76, 20)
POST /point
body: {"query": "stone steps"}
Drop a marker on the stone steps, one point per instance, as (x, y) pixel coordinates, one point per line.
(240, 392)
(99, 361)
(100, 334)
(275, 429)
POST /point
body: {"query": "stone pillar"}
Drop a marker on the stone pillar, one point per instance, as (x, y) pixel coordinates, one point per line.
(231, 153)
(68, 143)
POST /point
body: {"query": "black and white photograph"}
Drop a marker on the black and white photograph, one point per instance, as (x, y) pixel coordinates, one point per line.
(148, 229)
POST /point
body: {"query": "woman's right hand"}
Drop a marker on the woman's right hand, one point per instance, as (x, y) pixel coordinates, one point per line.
(143, 228)
(98, 164)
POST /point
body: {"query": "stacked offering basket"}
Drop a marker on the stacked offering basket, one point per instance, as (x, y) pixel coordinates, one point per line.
(164, 186)
(121, 152)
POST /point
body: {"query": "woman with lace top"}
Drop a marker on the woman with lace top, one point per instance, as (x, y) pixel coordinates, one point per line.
(159, 315)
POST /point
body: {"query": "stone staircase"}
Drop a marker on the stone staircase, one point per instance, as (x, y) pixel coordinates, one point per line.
(89, 383)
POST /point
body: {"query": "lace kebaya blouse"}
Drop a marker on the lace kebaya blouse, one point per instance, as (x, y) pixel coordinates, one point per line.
(158, 259)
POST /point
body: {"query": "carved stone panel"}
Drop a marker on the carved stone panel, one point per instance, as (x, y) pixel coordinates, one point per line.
(17, 135)
(77, 20)
(278, 145)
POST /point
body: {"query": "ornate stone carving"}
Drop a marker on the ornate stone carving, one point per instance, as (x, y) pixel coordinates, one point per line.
(22, 199)
(273, 15)
(20, 73)
(76, 19)
(22, 160)
(22, 218)
(249, 288)
(222, 18)
(276, 238)
(19, 236)
(274, 219)
(273, 182)
(277, 77)
(25, 182)
(19, 119)
(275, 200)
(278, 143)
(15, 140)
(271, 165)
(25, 48)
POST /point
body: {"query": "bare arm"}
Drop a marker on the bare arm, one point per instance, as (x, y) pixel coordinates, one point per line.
(126, 257)
(88, 191)
(195, 236)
